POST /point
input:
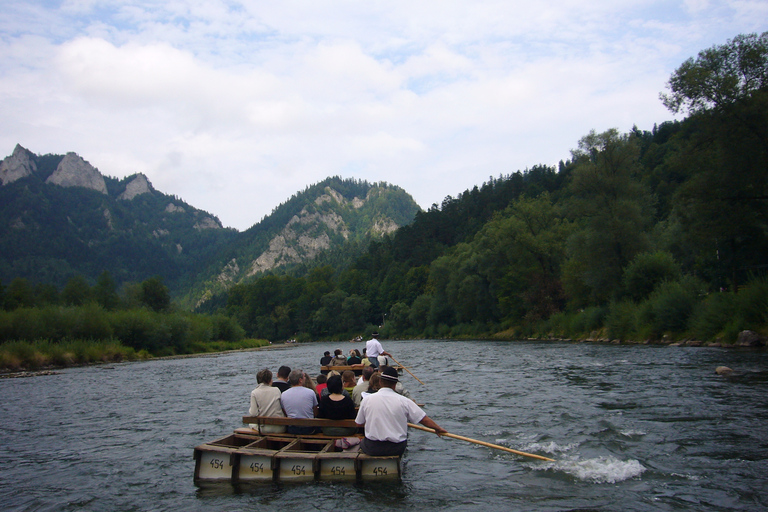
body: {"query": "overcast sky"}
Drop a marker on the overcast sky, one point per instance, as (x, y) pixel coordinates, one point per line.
(235, 106)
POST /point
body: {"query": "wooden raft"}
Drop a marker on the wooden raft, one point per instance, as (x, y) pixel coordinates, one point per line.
(249, 457)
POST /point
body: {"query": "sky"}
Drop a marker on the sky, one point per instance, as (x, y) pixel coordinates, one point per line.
(234, 106)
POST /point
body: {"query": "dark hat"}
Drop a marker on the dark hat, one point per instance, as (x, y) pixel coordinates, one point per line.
(374, 335)
(389, 374)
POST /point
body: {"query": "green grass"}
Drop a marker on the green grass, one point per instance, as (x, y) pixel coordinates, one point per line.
(39, 354)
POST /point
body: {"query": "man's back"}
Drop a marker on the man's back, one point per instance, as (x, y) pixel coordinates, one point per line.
(386, 415)
(299, 402)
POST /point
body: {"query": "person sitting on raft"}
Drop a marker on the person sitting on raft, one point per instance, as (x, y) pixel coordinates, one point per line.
(325, 361)
(322, 381)
(348, 381)
(265, 401)
(338, 358)
(281, 382)
(354, 359)
(385, 416)
(336, 406)
(374, 384)
(362, 386)
(299, 402)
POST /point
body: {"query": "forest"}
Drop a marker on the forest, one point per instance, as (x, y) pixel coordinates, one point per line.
(640, 236)
(644, 235)
(41, 326)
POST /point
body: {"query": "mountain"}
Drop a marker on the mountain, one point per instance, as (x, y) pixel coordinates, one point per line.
(330, 222)
(60, 217)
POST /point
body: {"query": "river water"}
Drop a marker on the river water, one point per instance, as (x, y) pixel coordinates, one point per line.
(630, 427)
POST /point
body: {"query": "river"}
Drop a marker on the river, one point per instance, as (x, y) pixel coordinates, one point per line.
(631, 428)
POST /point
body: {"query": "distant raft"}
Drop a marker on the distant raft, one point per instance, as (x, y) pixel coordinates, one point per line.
(249, 457)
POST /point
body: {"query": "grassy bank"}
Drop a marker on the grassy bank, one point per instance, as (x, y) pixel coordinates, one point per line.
(44, 354)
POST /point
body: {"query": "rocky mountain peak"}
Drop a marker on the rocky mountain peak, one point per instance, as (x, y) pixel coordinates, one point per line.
(137, 186)
(73, 171)
(19, 165)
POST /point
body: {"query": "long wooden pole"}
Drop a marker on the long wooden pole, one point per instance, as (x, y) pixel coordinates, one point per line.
(482, 443)
(406, 369)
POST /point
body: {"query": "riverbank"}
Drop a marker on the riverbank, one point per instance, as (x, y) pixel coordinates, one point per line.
(24, 359)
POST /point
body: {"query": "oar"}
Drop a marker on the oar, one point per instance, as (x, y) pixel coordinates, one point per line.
(406, 369)
(482, 443)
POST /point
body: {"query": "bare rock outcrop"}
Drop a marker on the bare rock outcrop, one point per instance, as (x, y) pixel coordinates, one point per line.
(172, 208)
(137, 186)
(73, 171)
(19, 165)
(303, 238)
(207, 223)
(383, 226)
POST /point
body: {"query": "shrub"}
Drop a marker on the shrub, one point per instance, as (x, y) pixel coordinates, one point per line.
(227, 329)
(588, 320)
(647, 271)
(137, 329)
(90, 322)
(711, 316)
(753, 303)
(622, 320)
(671, 305)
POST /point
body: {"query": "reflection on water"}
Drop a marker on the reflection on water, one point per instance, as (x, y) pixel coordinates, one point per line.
(629, 427)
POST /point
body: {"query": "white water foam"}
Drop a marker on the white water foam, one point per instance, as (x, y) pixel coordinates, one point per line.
(601, 470)
(632, 433)
(550, 448)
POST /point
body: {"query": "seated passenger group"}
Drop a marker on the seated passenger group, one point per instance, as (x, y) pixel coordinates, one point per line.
(294, 394)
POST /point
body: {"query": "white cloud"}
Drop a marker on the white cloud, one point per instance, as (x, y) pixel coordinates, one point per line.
(236, 106)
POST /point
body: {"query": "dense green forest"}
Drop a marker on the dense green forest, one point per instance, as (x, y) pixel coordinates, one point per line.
(641, 235)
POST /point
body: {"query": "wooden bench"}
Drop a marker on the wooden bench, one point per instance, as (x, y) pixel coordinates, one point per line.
(298, 422)
(354, 367)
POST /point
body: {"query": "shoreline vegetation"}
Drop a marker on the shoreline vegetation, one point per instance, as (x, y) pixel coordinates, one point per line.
(23, 359)
(27, 359)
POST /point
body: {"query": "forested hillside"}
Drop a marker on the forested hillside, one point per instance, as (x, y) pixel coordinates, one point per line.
(639, 235)
(328, 222)
(60, 218)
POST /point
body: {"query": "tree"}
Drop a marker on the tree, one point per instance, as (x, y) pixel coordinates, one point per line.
(77, 291)
(19, 294)
(720, 76)
(155, 295)
(723, 205)
(613, 211)
(648, 270)
(105, 291)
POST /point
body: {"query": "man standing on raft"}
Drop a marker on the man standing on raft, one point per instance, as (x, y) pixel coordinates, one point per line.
(373, 350)
(385, 416)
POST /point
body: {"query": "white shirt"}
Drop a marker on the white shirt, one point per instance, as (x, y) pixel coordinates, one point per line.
(386, 414)
(373, 348)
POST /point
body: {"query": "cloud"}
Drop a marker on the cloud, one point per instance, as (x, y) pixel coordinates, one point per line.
(236, 106)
